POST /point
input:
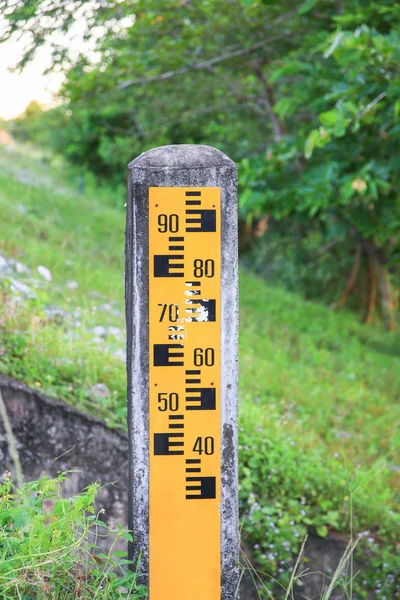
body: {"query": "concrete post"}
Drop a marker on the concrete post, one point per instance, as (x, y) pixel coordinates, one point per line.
(182, 327)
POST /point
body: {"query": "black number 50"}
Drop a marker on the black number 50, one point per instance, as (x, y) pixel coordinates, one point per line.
(168, 402)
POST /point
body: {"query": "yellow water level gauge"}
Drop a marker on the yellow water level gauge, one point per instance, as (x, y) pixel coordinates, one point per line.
(184, 394)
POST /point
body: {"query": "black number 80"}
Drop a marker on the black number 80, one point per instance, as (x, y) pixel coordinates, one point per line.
(203, 268)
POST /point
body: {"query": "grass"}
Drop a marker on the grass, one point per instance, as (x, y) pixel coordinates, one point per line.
(48, 546)
(319, 392)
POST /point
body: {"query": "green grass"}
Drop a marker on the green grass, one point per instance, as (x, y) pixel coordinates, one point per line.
(48, 546)
(319, 392)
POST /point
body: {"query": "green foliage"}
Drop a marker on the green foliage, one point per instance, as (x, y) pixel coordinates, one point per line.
(48, 545)
(339, 162)
(59, 353)
(285, 492)
(316, 448)
(162, 72)
(318, 391)
(350, 179)
(305, 97)
(38, 125)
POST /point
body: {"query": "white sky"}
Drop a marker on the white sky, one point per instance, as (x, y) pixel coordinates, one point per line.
(18, 90)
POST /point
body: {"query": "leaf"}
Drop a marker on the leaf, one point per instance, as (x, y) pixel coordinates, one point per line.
(127, 536)
(310, 143)
(329, 118)
(397, 108)
(61, 507)
(322, 531)
(307, 6)
(100, 524)
(282, 107)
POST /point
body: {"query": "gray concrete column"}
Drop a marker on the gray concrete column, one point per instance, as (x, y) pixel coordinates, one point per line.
(189, 167)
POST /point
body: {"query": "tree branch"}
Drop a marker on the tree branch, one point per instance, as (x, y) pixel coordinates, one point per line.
(205, 64)
(371, 105)
(278, 126)
(324, 249)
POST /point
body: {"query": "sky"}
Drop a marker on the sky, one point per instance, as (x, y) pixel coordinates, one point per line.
(18, 90)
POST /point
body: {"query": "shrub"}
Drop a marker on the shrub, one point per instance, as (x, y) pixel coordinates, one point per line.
(48, 546)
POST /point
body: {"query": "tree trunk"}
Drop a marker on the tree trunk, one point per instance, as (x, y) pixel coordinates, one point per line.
(385, 290)
(386, 298)
(351, 282)
(372, 289)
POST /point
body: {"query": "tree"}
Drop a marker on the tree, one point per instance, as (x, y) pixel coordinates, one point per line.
(339, 161)
(306, 96)
(161, 71)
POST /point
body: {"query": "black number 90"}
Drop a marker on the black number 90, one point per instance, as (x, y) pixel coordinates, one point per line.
(168, 223)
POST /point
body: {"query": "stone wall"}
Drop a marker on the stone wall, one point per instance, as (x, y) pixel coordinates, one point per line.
(52, 436)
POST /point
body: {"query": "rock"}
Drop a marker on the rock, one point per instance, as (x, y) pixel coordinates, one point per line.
(96, 295)
(21, 268)
(56, 314)
(344, 435)
(99, 391)
(99, 331)
(321, 558)
(116, 332)
(121, 355)
(5, 267)
(19, 288)
(44, 272)
(21, 209)
(107, 307)
(319, 563)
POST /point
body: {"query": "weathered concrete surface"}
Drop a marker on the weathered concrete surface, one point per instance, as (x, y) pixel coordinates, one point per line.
(45, 429)
(181, 166)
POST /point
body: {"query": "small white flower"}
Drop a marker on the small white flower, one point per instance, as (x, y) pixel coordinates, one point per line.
(72, 285)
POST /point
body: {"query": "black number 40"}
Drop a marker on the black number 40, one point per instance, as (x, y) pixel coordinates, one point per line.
(205, 445)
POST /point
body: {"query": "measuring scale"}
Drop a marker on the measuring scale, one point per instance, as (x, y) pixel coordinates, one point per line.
(184, 398)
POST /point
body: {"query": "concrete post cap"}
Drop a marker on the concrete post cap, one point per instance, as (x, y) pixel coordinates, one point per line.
(182, 156)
